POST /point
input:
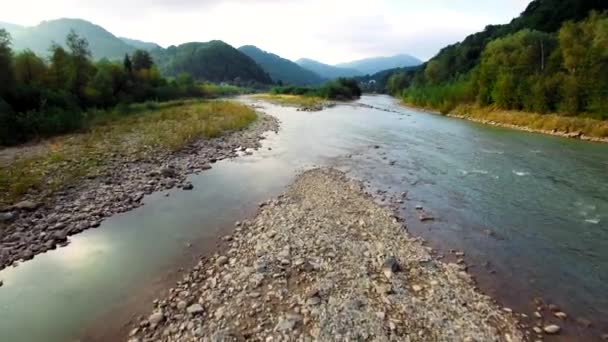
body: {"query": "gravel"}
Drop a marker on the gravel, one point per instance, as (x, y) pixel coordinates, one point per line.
(37, 225)
(324, 262)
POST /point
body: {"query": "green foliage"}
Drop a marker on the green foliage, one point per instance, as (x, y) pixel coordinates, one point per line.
(41, 99)
(214, 61)
(525, 70)
(339, 89)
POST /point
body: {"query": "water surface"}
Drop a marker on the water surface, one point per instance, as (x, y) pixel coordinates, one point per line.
(534, 206)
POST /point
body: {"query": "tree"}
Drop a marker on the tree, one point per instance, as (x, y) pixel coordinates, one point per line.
(30, 69)
(127, 64)
(142, 60)
(6, 63)
(81, 67)
(59, 69)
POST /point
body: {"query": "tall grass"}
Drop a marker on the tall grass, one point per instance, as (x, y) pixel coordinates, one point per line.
(147, 130)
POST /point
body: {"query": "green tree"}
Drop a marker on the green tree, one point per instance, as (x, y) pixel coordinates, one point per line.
(30, 69)
(127, 64)
(142, 60)
(82, 69)
(6, 63)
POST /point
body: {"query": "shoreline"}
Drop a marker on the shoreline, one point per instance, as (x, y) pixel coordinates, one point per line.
(31, 228)
(295, 282)
(561, 134)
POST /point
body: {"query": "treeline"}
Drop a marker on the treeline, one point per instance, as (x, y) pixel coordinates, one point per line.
(339, 89)
(40, 98)
(564, 72)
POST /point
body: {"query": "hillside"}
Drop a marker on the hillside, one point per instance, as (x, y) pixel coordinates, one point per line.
(327, 71)
(11, 28)
(39, 38)
(550, 59)
(138, 44)
(281, 69)
(213, 61)
(370, 66)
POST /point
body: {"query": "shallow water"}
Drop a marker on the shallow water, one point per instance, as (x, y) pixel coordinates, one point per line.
(543, 198)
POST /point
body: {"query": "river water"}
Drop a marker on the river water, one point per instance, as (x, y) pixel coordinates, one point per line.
(532, 209)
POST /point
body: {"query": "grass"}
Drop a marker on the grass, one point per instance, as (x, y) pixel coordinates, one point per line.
(143, 130)
(292, 100)
(539, 122)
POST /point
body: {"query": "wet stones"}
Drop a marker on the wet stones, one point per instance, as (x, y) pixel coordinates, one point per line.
(552, 329)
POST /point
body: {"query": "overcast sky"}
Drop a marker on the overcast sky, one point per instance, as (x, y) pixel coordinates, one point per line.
(331, 31)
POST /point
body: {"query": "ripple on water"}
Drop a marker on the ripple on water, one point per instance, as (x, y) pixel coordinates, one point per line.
(521, 173)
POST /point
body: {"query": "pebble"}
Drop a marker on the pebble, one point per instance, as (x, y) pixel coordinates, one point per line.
(195, 309)
(156, 317)
(552, 329)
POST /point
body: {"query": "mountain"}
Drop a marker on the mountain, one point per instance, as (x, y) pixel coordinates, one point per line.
(138, 44)
(213, 61)
(11, 28)
(39, 38)
(327, 71)
(371, 66)
(281, 69)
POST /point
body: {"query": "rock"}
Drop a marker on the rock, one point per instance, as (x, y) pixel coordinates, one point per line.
(417, 288)
(25, 205)
(561, 315)
(418, 207)
(182, 305)
(390, 267)
(195, 309)
(156, 317)
(312, 301)
(1, 283)
(222, 260)
(537, 330)
(7, 217)
(60, 236)
(288, 323)
(168, 172)
(188, 186)
(552, 329)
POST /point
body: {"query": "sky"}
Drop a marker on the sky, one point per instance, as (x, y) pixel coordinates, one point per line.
(330, 31)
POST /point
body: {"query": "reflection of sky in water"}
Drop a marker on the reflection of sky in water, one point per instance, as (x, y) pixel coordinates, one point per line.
(462, 171)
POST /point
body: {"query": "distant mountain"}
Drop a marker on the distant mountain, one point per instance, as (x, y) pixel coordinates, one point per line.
(40, 38)
(327, 71)
(11, 28)
(370, 66)
(213, 61)
(281, 69)
(138, 44)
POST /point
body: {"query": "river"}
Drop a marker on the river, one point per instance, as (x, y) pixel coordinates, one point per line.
(531, 212)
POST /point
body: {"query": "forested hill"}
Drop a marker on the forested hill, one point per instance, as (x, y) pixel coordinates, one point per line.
(280, 69)
(552, 58)
(141, 45)
(213, 61)
(41, 37)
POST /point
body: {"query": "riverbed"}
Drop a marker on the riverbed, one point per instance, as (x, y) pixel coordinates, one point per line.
(529, 210)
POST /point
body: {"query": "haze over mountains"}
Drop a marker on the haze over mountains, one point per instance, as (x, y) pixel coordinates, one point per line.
(213, 61)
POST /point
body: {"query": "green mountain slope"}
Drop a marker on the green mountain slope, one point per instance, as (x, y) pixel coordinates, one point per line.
(370, 66)
(281, 69)
(213, 61)
(327, 71)
(39, 38)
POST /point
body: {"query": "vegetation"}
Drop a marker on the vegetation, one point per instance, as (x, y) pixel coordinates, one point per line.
(542, 62)
(214, 61)
(129, 131)
(307, 101)
(281, 70)
(339, 89)
(43, 99)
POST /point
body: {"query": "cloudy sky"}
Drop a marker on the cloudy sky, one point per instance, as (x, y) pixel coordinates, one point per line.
(331, 31)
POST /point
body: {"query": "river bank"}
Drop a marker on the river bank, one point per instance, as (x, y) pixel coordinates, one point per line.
(576, 128)
(38, 224)
(285, 277)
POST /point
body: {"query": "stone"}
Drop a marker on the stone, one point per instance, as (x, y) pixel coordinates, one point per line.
(7, 217)
(168, 172)
(560, 315)
(195, 309)
(222, 260)
(288, 323)
(25, 205)
(156, 317)
(552, 329)
(537, 330)
(188, 186)
(390, 267)
(417, 288)
(313, 301)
